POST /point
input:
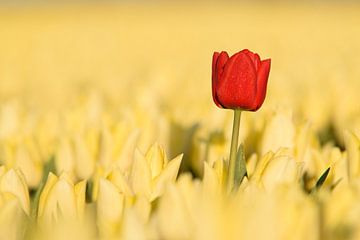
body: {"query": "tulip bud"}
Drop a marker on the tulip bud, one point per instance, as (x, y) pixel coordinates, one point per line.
(61, 198)
(65, 159)
(150, 173)
(110, 204)
(211, 181)
(12, 217)
(176, 214)
(276, 169)
(76, 157)
(279, 132)
(23, 154)
(239, 82)
(352, 144)
(13, 182)
(113, 195)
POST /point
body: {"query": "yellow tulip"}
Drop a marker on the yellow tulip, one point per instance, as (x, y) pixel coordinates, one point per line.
(22, 153)
(151, 172)
(12, 217)
(65, 159)
(110, 205)
(114, 198)
(279, 132)
(117, 148)
(13, 182)
(352, 144)
(174, 216)
(61, 198)
(278, 168)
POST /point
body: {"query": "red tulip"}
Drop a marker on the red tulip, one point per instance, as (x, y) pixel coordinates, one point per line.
(239, 82)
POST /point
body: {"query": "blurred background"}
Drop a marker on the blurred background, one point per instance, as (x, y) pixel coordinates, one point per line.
(75, 68)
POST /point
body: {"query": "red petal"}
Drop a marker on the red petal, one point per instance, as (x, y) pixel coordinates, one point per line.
(256, 61)
(254, 58)
(214, 60)
(262, 80)
(237, 85)
(219, 60)
(220, 64)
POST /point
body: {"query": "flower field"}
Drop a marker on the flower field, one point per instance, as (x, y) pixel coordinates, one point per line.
(108, 129)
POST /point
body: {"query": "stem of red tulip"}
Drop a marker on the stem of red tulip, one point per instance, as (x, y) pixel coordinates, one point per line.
(233, 149)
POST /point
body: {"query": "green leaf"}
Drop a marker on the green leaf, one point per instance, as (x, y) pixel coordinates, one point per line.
(321, 180)
(89, 190)
(49, 167)
(30, 224)
(240, 167)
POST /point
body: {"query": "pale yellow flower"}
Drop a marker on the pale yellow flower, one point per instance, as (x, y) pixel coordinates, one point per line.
(174, 217)
(23, 154)
(12, 217)
(352, 143)
(276, 168)
(279, 132)
(61, 198)
(214, 177)
(65, 159)
(12, 181)
(116, 205)
(121, 198)
(116, 146)
(109, 207)
(151, 172)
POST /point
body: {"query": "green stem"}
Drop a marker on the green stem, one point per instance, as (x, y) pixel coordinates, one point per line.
(233, 149)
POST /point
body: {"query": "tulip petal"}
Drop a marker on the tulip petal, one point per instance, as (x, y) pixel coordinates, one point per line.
(256, 61)
(14, 182)
(59, 200)
(109, 207)
(50, 182)
(237, 88)
(125, 159)
(80, 190)
(220, 64)
(254, 58)
(263, 75)
(140, 176)
(219, 61)
(169, 174)
(118, 179)
(214, 60)
(155, 158)
(211, 180)
(213, 77)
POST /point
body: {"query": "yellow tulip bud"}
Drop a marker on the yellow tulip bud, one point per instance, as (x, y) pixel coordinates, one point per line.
(12, 217)
(150, 173)
(61, 198)
(110, 204)
(13, 182)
